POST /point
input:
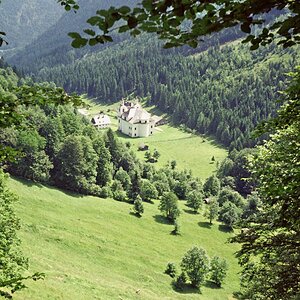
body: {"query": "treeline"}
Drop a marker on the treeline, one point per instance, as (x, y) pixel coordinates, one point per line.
(224, 91)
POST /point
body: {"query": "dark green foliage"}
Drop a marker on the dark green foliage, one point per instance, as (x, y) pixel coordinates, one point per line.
(169, 21)
(123, 177)
(181, 281)
(148, 191)
(212, 210)
(195, 200)
(218, 269)
(211, 186)
(227, 194)
(214, 106)
(195, 263)
(177, 228)
(229, 214)
(169, 206)
(270, 243)
(138, 207)
(135, 186)
(171, 270)
(173, 164)
(104, 166)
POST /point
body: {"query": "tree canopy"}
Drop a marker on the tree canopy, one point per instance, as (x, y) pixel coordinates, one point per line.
(186, 22)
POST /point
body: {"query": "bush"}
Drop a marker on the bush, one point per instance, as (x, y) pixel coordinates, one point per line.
(105, 192)
(171, 269)
(120, 195)
(177, 228)
(180, 282)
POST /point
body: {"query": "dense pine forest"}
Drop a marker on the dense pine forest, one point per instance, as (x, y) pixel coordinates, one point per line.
(224, 91)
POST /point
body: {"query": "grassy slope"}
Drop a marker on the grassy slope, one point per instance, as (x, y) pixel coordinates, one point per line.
(92, 248)
(190, 151)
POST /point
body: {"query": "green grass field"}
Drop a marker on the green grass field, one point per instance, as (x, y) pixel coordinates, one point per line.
(190, 151)
(91, 248)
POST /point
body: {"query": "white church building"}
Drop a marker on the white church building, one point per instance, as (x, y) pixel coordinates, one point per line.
(134, 121)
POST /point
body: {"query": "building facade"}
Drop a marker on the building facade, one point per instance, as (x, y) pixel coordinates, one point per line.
(134, 121)
(101, 121)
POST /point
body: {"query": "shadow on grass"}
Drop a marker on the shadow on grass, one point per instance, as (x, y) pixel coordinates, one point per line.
(27, 182)
(30, 183)
(211, 285)
(205, 224)
(135, 215)
(225, 228)
(162, 220)
(187, 289)
(190, 211)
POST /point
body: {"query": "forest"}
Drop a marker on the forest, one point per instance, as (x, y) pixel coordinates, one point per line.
(223, 90)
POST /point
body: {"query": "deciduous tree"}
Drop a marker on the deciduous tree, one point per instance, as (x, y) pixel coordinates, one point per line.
(195, 263)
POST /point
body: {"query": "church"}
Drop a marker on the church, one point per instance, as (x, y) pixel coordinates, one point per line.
(135, 121)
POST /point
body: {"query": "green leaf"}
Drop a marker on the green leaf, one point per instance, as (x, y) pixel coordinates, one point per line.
(79, 42)
(123, 28)
(193, 43)
(93, 42)
(124, 10)
(94, 20)
(74, 35)
(107, 38)
(90, 32)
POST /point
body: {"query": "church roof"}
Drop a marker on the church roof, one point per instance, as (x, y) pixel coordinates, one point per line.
(135, 113)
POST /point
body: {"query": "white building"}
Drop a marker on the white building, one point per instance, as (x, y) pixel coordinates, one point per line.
(134, 121)
(101, 121)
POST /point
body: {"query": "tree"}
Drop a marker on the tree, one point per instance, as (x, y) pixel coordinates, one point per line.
(156, 154)
(211, 186)
(195, 200)
(227, 194)
(229, 214)
(104, 167)
(173, 164)
(177, 228)
(12, 262)
(169, 206)
(186, 22)
(195, 263)
(270, 242)
(135, 186)
(138, 207)
(123, 177)
(218, 269)
(212, 210)
(148, 191)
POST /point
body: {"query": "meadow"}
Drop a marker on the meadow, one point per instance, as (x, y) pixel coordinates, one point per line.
(191, 151)
(92, 248)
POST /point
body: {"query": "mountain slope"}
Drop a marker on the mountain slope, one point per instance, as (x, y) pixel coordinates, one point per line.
(54, 46)
(91, 248)
(24, 20)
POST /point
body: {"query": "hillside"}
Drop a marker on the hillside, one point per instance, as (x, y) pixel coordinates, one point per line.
(225, 91)
(91, 248)
(25, 20)
(191, 151)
